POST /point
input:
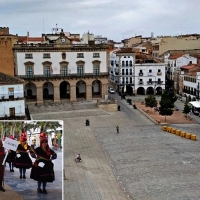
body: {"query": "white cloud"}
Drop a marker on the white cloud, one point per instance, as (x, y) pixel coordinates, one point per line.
(106, 17)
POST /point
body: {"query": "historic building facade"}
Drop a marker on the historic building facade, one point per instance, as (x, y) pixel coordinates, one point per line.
(12, 101)
(56, 69)
(6, 54)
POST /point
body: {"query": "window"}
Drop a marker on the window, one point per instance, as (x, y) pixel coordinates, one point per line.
(124, 56)
(159, 80)
(111, 62)
(64, 70)
(159, 70)
(140, 70)
(130, 71)
(46, 55)
(123, 80)
(96, 70)
(29, 71)
(130, 80)
(80, 70)
(12, 112)
(127, 63)
(130, 63)
(11, 92)
(122, 71)
(47, 71)
(122, 63)
(126, 71)
(28, 55)
(96, 55)
(150, 80)
(126, 79)
(80, 55)
(150, 70)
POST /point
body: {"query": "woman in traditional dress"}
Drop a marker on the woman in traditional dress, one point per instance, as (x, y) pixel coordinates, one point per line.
(42, 170)
(22, 160)
(2, 167)
(11, 157)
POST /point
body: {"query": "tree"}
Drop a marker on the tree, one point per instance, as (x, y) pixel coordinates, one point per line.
(42, 125)
(151, 101)
(186, 109)
(167, 103)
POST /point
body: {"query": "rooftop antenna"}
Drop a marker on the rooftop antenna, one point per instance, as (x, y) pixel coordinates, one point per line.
(43, 27)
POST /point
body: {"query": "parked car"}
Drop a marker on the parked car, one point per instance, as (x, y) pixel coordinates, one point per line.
(111, 90)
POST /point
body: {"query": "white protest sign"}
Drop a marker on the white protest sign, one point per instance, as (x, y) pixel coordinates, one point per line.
(9, 143)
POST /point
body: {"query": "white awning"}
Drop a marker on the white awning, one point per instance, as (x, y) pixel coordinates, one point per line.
(196, 104)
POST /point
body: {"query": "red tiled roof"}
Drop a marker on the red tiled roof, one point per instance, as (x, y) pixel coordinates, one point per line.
(7, 79)
(30, 39)
(189, 66)
(176, 55)
(125, 50)
(74, 39)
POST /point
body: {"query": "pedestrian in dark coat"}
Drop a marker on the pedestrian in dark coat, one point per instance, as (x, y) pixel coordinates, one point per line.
(2, 167)
(117, 128)
(43, 168)
(22, 159)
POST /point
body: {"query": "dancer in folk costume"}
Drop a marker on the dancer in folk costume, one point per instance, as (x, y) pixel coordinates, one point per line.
(2, 167)
(22, 159)
(11, 157)
(43, 169)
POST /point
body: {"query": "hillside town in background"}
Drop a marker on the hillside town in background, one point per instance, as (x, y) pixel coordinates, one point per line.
(65, 66)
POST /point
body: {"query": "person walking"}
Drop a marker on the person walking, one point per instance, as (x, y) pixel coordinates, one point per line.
(2, 167)
(117, 128)
(22, 159)
(43, 168)
(11, 157)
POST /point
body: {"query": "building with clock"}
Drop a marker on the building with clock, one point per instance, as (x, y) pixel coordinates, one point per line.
(56, 69)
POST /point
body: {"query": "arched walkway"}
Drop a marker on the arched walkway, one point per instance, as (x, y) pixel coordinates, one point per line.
(150, 90)
(96, 88)
(48, 91)
(141, 91)
(158, 91)
(30, 91)
(81, 89)
(64, 90)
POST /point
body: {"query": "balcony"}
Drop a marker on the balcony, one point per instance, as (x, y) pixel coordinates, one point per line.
(140, 74)
(59, 76)
(150, 74)
(140, 83)
(17, 116)
(159, 82)
(149, 82)
(15, 97)
(159, 73)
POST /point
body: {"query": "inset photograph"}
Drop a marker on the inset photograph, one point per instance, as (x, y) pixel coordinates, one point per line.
(31, 160)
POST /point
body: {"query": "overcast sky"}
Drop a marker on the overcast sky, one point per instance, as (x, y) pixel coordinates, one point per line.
(115, 19)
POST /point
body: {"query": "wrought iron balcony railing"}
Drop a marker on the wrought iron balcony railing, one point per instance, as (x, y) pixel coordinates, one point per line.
(42, 76)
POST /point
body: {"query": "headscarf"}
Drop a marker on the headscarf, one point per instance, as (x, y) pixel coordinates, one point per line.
(23, 139)
(43, 138)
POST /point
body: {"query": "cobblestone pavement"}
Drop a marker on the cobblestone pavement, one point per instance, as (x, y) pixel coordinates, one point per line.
(143, 161)
(27, 188)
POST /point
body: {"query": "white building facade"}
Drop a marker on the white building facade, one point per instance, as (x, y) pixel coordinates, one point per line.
(149, 78)
(12, 101)
(136, 77)
(61, 69)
